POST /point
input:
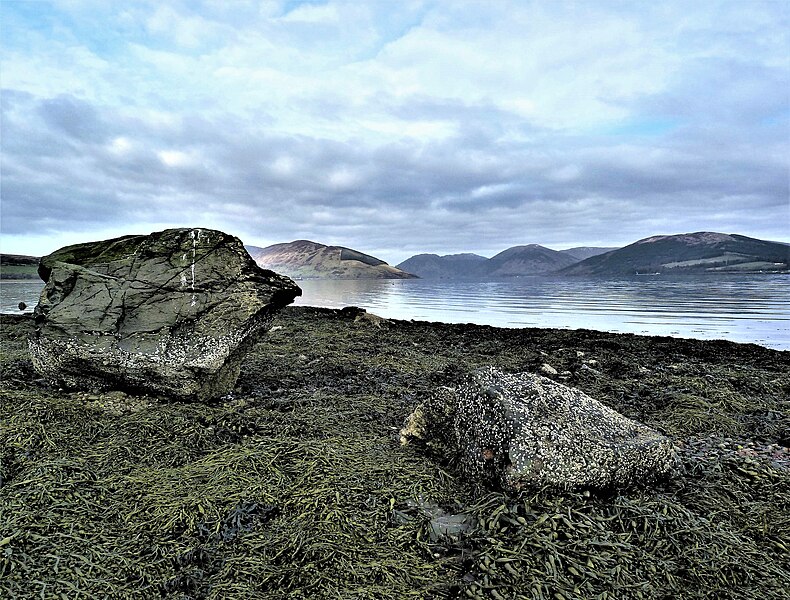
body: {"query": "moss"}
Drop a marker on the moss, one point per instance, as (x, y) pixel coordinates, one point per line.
(295, 486)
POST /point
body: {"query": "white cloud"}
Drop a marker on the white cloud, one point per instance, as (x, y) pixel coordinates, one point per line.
(344, 179)
(121, 145)
(565, 173)
(485, 191)
(177, 159)
(459, 121)
(284, 166)
(312, 13)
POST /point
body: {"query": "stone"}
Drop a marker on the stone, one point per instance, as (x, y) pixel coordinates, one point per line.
(548, 369)
(171, 313)
(367, 318)
(519, 430)
(443, 527)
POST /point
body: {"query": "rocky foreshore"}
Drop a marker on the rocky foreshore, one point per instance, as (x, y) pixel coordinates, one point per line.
(295, 485)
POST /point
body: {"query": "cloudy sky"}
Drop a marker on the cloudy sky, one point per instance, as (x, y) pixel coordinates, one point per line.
(395, 126)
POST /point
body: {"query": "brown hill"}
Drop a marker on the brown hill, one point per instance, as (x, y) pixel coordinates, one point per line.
(303, 259)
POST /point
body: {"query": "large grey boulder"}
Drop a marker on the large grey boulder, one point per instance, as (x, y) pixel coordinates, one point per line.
(520, 430)
(168, 313)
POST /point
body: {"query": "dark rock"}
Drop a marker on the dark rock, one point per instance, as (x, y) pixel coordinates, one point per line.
(522, 429)
(170, 313)
(352, 312)
(22, 306)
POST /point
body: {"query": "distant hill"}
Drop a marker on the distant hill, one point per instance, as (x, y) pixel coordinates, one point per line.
(18, 266)
(513, 262)
(584, 252)
(303, 259)
(528, 260)
(699, 252)
(450, 266)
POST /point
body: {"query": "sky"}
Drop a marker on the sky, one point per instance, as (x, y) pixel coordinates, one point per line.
(394, 127)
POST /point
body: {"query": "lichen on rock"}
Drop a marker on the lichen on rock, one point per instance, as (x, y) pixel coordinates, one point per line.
(518, 430)
(169, 313)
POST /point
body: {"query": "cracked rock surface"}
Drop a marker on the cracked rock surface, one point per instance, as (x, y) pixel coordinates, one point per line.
(169, 313)
(522, 429)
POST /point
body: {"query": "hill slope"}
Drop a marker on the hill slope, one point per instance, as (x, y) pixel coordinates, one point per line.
(513, 262)
(303, 259)
(528, 260)
(584, 252)
(18, 266)
(450, 266)
(688, 253)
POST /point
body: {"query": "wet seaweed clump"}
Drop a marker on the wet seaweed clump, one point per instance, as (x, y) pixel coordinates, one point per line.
(295, 485)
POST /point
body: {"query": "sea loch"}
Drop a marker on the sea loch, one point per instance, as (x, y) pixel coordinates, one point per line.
(742, 308)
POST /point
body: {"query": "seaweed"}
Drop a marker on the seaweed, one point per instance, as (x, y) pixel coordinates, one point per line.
(296, 486)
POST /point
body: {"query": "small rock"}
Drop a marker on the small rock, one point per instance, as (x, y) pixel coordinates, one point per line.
(590, 370)
(367, 318)
(548, 369)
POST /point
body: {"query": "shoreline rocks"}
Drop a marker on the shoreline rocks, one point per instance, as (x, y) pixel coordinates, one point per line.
(516, 430)
(170, 313)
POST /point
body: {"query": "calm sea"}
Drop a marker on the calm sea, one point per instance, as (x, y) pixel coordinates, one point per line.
(741, 308)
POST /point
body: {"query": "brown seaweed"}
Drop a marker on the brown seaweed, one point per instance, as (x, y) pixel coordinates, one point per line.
(295, 486)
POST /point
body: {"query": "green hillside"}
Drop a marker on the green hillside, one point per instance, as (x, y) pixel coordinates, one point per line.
(702, 252)
(17, 266)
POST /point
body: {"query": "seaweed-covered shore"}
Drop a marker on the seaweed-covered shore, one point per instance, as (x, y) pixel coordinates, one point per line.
(295, 486)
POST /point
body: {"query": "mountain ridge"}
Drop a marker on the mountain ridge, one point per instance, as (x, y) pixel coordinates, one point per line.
(583, 252)
(449, 266)
(528, 259)
(699, 252)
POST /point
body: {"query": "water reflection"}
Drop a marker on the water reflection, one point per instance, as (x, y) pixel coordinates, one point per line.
(744, 308)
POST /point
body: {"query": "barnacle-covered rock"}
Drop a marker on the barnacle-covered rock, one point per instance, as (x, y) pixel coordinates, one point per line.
(522, 429)
(170, 313)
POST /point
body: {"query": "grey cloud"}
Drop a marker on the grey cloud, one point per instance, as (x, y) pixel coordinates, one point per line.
(76, 118)
(471, 191)
(714, 90)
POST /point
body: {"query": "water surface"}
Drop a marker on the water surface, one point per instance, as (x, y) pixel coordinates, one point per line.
(741, 308)
(14, 291)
